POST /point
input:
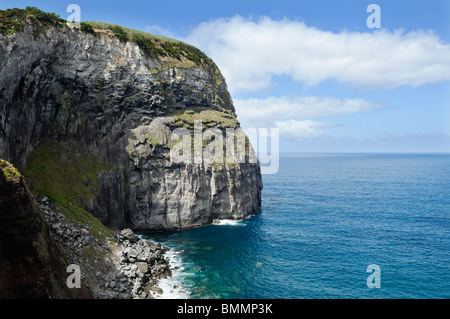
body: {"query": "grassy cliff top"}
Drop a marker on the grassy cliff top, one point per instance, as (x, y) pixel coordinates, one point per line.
(153, 46)
(14, 20)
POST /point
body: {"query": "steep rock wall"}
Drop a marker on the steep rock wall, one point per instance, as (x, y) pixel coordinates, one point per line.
(94, 96)
(31, 264)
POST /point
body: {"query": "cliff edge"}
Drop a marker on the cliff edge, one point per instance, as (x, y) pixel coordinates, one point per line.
(88, 116)
(31, 263)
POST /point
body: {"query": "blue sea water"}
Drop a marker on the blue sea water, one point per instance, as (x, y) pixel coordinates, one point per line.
(324, 219)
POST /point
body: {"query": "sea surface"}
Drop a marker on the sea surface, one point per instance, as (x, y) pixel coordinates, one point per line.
(324, 219)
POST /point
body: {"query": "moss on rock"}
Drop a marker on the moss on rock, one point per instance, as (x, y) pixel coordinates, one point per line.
(11, 173)
(67, 175)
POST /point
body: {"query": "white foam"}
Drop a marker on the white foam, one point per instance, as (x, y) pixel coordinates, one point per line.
(172, 288)
(229, 222)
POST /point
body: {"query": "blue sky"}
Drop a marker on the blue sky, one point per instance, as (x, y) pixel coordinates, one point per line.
(313, 68)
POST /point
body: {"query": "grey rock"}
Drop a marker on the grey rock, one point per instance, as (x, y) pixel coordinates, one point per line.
(130, 252)
(158, 290)
(122, 288)
(127, 234)
(86, 241)
(143, 267)
(107, 98)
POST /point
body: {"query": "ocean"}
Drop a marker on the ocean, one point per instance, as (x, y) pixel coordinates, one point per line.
(324, 219)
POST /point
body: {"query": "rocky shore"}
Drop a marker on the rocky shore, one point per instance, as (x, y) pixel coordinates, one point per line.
(121, 266)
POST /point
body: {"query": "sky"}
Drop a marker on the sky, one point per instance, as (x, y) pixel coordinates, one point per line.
(314, 70)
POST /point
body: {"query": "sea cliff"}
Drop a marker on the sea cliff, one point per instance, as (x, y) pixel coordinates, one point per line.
(86, 117)
(87, 114)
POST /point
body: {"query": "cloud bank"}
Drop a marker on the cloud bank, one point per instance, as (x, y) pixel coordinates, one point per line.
(251, 52)
(292, 114)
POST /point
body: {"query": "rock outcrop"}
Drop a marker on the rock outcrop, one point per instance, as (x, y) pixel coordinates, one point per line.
(31, 263)
(112, 266)
(87, 117)
(38, 243)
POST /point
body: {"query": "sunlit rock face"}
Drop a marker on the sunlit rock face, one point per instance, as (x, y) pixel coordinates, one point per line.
(96, 99)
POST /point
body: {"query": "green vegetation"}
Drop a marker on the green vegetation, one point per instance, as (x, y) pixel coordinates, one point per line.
(148, 46)
(209, 118)
(11, 173)
(152, 140)
(120, 33)
(14, 20)
(67, 175)
(11, 21)
(42, 16)
(86, 27)
(130, 32)
(156, 46)
(78, 215)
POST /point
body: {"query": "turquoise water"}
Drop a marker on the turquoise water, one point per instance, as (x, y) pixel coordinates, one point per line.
(324, 219)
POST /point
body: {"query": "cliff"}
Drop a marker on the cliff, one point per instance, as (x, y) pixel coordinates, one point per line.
(31, 263)
(87, 114)
(38, 242)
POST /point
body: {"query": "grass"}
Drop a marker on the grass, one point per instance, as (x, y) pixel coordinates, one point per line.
(67, 175)
(156, 46)
(153, 46)
(86, 27)
(130, 32)
(152, 140)
(14, 20)
(209, 118)
(78, 215)
(43, 16)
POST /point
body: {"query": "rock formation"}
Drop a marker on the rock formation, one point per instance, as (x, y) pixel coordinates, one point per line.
(38, 243)
(31, 263)
(87, 117)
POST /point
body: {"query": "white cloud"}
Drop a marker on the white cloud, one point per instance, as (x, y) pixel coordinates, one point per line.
(301, 130)
(263, 112)
(251, 52)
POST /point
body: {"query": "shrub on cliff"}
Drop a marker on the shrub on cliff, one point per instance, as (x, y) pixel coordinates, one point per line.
(11, 21)
(120, 33)
(148, 46)
(86, 27)
(43, 16)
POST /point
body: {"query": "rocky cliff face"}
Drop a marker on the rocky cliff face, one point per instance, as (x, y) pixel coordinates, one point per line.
(31, 263)
(88, 119)
(38, 243)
